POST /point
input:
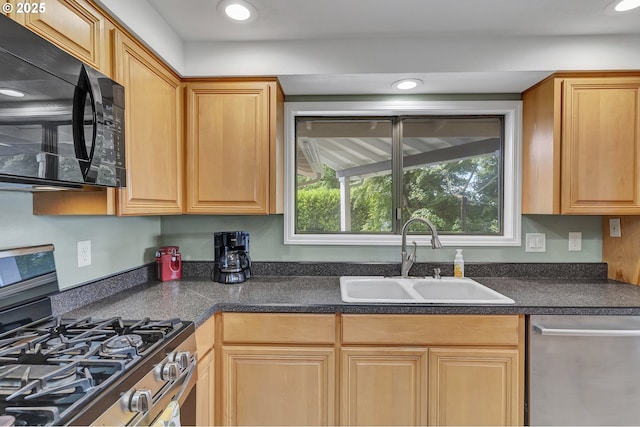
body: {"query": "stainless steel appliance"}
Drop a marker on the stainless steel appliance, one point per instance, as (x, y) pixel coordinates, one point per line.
(56, 371)
(232, 263)
(61, 121)
(584, 370)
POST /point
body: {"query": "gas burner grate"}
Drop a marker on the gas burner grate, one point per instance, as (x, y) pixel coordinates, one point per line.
(51, 368)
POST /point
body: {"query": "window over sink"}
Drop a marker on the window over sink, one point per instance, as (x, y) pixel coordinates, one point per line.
(356, 171)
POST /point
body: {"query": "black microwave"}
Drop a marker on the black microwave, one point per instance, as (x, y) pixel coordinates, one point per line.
(61, 121)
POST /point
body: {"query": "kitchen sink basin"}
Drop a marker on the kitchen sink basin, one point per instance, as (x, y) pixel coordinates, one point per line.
(418, 290)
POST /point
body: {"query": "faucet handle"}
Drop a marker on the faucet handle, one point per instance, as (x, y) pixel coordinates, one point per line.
(412, 257)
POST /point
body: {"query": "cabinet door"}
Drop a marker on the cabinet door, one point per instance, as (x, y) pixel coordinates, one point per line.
(473, 387)
(278, 386)
(74, 25)
(383, 386)
(205, 390)
(601, 146)
(153, 129)
(228, 148)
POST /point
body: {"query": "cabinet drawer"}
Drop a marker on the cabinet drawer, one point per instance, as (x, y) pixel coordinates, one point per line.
(278, 328)
(430, 329)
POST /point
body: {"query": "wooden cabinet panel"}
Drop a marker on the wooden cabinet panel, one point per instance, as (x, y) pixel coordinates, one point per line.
(601, 145)
(12, 9)
(473, 387)
(383, 386)
(285, 328)
(232, 147)
(430, 330)
(581, 145)
(278, 386)
(205, 390)
(74, 25)
(206, 385)
(153, 132)
(541, 148)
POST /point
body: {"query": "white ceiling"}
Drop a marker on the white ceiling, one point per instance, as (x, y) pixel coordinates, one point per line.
(361, 46)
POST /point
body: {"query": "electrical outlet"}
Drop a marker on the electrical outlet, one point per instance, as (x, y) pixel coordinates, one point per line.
(535, 242)
(84, 253)
(614, 227)
(575, 241)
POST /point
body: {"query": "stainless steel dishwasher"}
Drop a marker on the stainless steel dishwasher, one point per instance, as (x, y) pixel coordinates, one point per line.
(584, 370)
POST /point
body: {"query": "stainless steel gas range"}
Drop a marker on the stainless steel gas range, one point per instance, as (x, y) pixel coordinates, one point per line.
(57, 371)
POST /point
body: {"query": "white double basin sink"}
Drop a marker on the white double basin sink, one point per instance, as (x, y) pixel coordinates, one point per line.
(417, 290)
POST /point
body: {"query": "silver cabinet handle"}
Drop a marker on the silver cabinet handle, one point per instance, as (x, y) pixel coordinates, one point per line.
(587, 332)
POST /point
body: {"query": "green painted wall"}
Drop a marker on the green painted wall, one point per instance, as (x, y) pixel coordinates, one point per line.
(117, 244)
(194, 235)
(120, 244)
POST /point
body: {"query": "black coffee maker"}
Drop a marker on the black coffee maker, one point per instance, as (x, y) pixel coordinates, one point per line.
(232, 263)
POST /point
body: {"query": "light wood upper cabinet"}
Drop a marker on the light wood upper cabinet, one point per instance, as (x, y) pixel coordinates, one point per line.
(153, 131)
(76, 26)
(581, 145)
(234, 147)
(12, 9)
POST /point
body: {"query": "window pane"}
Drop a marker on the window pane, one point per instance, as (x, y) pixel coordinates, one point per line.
(452, 173)
(343, 179)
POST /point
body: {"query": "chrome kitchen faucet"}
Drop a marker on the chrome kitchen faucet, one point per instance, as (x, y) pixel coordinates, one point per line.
(409, 259)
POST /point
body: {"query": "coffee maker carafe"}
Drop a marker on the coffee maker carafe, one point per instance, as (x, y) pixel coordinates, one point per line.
(232, 263)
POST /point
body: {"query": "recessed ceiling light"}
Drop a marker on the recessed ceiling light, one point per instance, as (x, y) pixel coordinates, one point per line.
(238, 10)
(11, 92)
(623, 5)
(406, 84)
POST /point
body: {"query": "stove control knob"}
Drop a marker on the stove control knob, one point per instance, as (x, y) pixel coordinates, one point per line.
(170, 371)
(140, 401)
(183, 358)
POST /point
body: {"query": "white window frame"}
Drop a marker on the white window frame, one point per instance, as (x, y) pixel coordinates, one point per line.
(512, 221)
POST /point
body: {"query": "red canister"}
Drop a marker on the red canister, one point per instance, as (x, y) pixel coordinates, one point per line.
(168, 263)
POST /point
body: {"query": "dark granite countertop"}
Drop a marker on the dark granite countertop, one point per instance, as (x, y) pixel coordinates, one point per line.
(198, 298)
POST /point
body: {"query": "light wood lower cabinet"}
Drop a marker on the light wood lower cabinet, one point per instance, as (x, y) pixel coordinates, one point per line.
(278, 369)
(470, 387)
(278, 386)
(384, 386)
(323, 369)
(205, 390)
(442, 370)
(206, 385)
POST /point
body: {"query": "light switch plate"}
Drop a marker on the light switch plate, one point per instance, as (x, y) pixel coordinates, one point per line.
(535, 242)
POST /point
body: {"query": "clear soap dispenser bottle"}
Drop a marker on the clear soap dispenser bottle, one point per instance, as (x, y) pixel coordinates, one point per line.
(458, 264)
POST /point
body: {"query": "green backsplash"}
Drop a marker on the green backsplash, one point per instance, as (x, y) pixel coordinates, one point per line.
(194, 235)
(117, 244)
